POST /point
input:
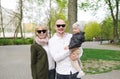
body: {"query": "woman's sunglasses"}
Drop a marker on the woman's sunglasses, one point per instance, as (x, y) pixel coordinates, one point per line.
(60, 25)
(41, 31)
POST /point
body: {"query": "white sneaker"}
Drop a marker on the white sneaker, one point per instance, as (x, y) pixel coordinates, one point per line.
(80, 74)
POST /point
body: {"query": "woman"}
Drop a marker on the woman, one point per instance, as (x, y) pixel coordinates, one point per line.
(41, 39)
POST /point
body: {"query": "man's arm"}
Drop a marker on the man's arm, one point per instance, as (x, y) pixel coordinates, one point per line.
(58, 54)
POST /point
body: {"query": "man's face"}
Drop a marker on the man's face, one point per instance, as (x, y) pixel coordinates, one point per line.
(60, 26)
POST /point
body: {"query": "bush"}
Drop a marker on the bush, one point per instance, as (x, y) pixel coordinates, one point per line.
(28, 41)
(18, 41)
(25, 41)
(6, 41)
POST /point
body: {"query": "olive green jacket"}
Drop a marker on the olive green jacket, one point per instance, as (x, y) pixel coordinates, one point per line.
(39, 62)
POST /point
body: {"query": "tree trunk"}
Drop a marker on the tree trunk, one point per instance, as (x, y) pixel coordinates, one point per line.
(16, 33)
(19, 25)
(72, 13)
(50, 31)
(116, 37)
(1, 21)
(115, 19)
(20, 22)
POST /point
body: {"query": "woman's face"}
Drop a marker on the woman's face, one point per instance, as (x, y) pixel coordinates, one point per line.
(41, 33)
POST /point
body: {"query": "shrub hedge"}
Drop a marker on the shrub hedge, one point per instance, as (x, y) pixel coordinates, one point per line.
(18, 41)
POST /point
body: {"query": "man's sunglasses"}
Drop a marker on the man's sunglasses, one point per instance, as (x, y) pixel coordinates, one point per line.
(60, 25)
(41, 31)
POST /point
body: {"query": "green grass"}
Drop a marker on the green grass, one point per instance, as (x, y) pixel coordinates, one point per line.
(97, 61)
(96, 54)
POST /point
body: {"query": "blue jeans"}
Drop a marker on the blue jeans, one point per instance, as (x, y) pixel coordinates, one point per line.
(52, 74)
(71, 76)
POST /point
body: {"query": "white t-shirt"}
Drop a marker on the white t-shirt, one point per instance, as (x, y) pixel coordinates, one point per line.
(60, 55)
(50, 59)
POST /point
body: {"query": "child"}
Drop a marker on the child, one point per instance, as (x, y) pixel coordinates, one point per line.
(75, 45)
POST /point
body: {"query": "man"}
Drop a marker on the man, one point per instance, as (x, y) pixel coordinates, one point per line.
(57, 44)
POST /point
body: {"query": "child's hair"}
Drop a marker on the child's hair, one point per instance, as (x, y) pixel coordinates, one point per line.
(78, 25)
(74, 49)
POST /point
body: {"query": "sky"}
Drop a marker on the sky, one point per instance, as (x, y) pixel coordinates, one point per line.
(88, 16)
(85, 16)
(82, 15)
(10, 4)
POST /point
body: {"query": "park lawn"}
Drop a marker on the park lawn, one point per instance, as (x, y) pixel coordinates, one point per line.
(96, 54)
(100, 60)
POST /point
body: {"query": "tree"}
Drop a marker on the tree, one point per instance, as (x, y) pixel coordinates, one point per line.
(114, 4)
(92, 29)
(113, 7)
(19, 26)
(72, 13)
(1, 21)
(107, 28)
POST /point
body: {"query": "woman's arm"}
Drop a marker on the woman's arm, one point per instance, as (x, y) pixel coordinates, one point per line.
(33, 61)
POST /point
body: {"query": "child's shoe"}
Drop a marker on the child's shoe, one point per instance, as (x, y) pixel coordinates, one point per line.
(80, 74)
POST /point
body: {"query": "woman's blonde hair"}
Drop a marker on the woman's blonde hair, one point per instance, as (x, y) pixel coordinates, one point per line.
(42, 27)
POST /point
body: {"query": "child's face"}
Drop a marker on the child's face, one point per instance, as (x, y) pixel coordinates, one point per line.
(76, 30)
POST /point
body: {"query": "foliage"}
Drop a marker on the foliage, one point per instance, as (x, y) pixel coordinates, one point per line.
(90, 5)
(40, 1)
(18, 41)
(61, 3)
(92, 29)
(57, 13)
(6, 42)
(110, 6)
(107, 28)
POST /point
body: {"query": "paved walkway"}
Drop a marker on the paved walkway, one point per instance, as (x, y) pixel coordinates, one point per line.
(15, 62)
(97, 45)
(110, 75)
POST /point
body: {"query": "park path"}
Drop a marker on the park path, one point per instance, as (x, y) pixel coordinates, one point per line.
(115, 74)
(15, 62)
(97, 45)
